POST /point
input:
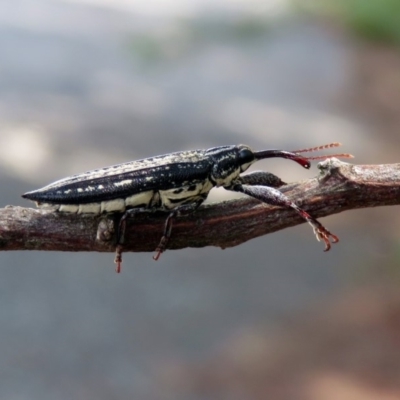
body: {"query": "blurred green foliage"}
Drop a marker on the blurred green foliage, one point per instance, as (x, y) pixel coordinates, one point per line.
(373, 19)
(189, 35)
(147, 48)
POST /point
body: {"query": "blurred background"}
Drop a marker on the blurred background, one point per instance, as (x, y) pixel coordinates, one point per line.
(89, 83)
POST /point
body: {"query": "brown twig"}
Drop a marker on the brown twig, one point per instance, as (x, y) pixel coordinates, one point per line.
(339, 187)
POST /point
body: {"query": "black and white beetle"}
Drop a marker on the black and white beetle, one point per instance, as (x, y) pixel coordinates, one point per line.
(177, 182)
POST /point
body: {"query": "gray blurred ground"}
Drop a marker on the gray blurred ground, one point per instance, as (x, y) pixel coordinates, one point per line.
(83, 87)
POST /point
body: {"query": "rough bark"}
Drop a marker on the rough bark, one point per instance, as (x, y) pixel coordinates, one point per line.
(339, 187)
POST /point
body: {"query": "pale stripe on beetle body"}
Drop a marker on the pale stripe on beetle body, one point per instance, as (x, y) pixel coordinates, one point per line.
(169, 199)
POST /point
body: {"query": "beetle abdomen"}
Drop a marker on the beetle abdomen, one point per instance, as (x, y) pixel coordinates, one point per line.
(149, 199)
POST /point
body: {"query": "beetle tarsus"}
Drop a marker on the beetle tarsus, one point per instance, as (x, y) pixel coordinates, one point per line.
(161, 247)
(158, 254)
(118, 258)
(320, 231)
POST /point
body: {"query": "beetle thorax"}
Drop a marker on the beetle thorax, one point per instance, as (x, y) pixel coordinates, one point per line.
(228, 163)
(226, 179)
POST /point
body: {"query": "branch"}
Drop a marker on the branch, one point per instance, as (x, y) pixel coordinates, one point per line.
(339, 187)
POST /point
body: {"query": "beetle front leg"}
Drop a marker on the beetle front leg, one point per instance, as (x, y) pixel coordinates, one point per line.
(274, 197)
(260, 178)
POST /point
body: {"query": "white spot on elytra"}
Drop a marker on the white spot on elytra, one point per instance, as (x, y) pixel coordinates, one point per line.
(123, 183)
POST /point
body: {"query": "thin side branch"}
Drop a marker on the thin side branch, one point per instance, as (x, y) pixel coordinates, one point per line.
(339, 187)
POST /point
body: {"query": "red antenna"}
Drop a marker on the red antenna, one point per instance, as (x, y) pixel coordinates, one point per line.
(323, 147)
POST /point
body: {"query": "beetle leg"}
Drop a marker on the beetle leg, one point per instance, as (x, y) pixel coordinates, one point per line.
(261, 178)
(185, 208)
(121, 234)
(166, 235)
(274, 197)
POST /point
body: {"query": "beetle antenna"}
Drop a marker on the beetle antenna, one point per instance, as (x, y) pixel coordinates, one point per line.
(324, 157)
(323, 147)
(317, 148)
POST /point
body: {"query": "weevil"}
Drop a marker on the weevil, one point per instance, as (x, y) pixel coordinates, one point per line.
(175, 183)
